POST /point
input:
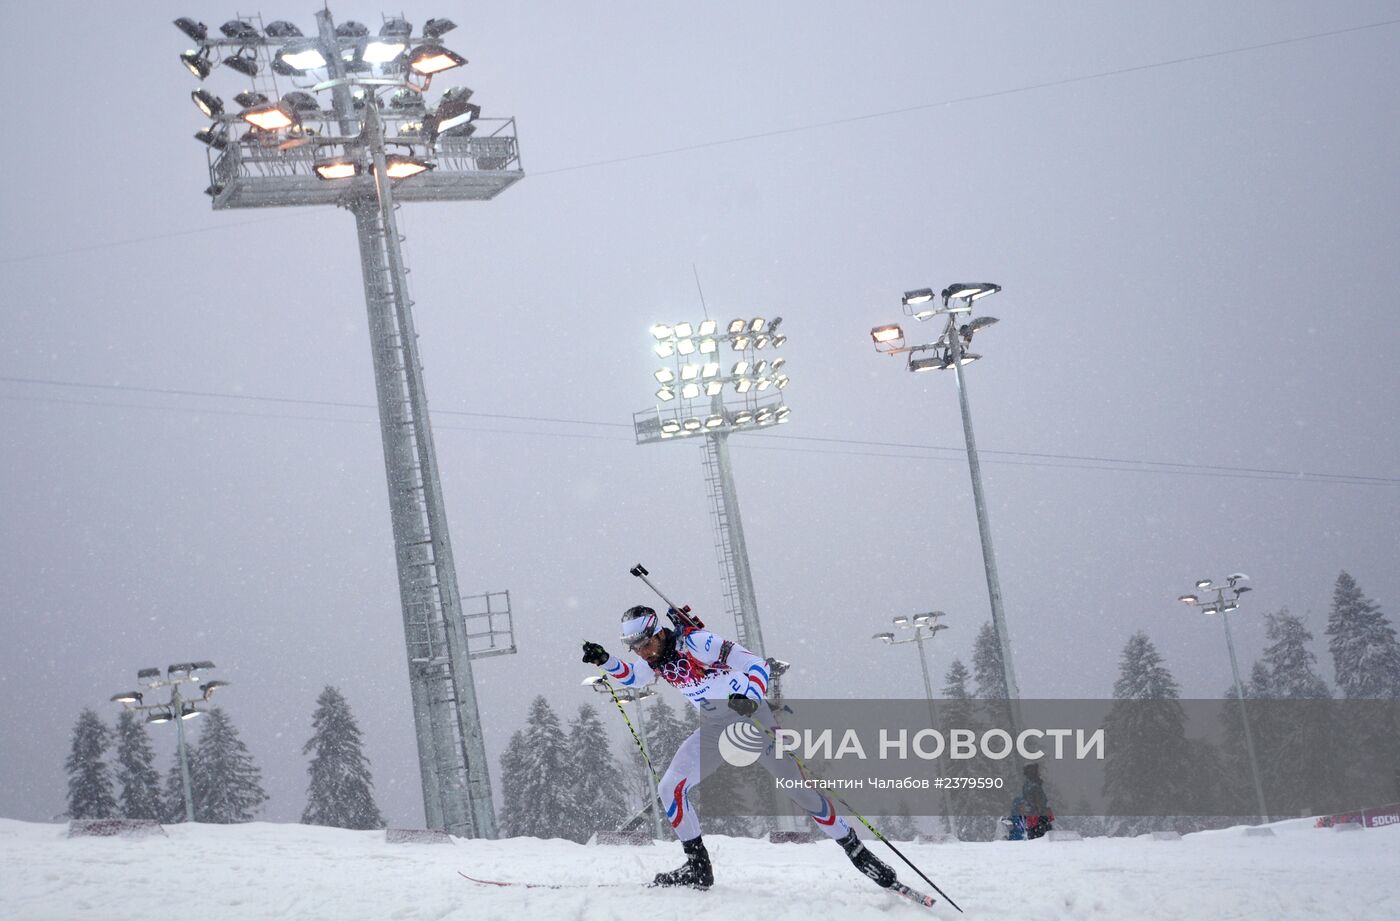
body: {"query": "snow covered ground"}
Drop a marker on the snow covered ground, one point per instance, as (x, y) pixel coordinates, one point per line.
(267, 871)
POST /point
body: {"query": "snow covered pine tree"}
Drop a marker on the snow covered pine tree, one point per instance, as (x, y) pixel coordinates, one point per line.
(136, 773)
(227, 785)
(725, 683)
(341, 791)
(89, 781)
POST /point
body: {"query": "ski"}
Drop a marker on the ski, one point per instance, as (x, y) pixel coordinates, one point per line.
(524, 885)
(913, 895)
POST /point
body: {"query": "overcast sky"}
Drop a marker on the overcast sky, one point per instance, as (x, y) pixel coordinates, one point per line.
(1199, 269)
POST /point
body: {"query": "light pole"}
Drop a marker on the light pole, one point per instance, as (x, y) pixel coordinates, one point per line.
(1226, 606)
(637, 695)
(376, 145)
(176, 709)
(947, 353)
(691, 403)
(925, 627)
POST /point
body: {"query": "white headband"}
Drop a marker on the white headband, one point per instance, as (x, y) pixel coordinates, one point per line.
(639, 628)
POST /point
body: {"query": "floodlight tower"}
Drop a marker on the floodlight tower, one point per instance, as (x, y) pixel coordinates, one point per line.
(692, 404)
(176, 709)
(376, 145)
(948, 352)
(1224, 607)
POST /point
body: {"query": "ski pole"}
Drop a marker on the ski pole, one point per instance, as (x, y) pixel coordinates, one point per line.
(863, 820)
(630, 728)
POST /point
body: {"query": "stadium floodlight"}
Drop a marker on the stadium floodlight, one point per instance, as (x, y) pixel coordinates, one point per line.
(761, 342)
(661, 331)
(740, 343)
(689, 372)
(127, 697)
(302, 56)
(664, 375)
(393, 41)
(740, 367)
(269, 117)
(214, 137)
(212, 106)
(664, 349)
(336, 168)
(691, 425)
(666, 394)
(248, 98)
(710, 369)
(407, 100)
(437, 28)
(239, 29)
(714, 388)
(690, 391)
(301, 103)
(282, 29)
(933, 362)
(197, 62)
(400, 166)
(743, 417)
(210, 687)
(782, 414)
(708, 346)
(245, 64)
(777, 362)
(884, 637)
(455, 109)
(1188, 599)
(737, 326)
(970, 292)
(756, 325)
(431, 58)
(760, 367)
(1202, 583)
(684, 331)
(351, 29)
(707, 328)
(159, 716)
(685, 346)
(197, 31)
(763, 384)
(743, 384)
(780, 381)
(887, 338)
(189, 711)
(918, 296)
(714, 421)
(779, 340)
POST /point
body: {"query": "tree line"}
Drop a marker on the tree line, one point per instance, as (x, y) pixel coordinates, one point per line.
(225, 782)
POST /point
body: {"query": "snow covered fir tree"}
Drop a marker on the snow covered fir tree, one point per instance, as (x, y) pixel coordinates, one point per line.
(599, 792)
(341, 791)
(137, 777)
(1365, 652)
(227, 785)
(89, 778)
(538, 801)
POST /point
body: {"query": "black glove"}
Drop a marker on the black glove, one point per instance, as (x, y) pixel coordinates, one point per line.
(594, 654)
(742, 704)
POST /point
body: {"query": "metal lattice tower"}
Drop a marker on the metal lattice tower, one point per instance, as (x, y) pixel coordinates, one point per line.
(695, 406)
(287, 166)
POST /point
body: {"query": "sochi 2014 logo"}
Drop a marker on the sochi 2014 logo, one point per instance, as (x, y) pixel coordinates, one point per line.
(741, 744)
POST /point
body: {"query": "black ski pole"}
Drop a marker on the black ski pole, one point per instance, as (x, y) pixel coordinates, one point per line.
(863, 820)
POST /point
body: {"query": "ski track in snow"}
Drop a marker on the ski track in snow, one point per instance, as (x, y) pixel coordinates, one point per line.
(268, 871)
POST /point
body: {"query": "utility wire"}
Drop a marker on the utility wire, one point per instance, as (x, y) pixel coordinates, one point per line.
(1012, 457)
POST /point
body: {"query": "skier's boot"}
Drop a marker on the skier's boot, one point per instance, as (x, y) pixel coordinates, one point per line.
(866, 862)
(696, 870)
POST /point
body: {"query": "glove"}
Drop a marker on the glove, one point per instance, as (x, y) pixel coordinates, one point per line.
(594, 654)
(742, 705)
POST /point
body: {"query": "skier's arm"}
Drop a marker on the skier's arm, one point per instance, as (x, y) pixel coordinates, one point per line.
(630, 673)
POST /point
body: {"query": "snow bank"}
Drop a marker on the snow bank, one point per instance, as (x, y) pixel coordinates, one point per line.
(264, 871)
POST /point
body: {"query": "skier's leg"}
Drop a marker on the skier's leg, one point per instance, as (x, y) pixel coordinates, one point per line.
(685, 771)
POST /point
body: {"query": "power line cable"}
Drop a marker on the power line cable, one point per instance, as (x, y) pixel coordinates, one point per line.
(1012, 457)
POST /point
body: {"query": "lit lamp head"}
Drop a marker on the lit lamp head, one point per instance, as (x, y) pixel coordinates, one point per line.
(332, 168)
(392, 42)
(399, 166)
(455, 113)
(212, 106)
(127, 697)
(969, 291)
(884, 637)
(269, 117)
(197, 62)
(887, 338)
(296, 58)
(1188, 599)
(431, 58)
